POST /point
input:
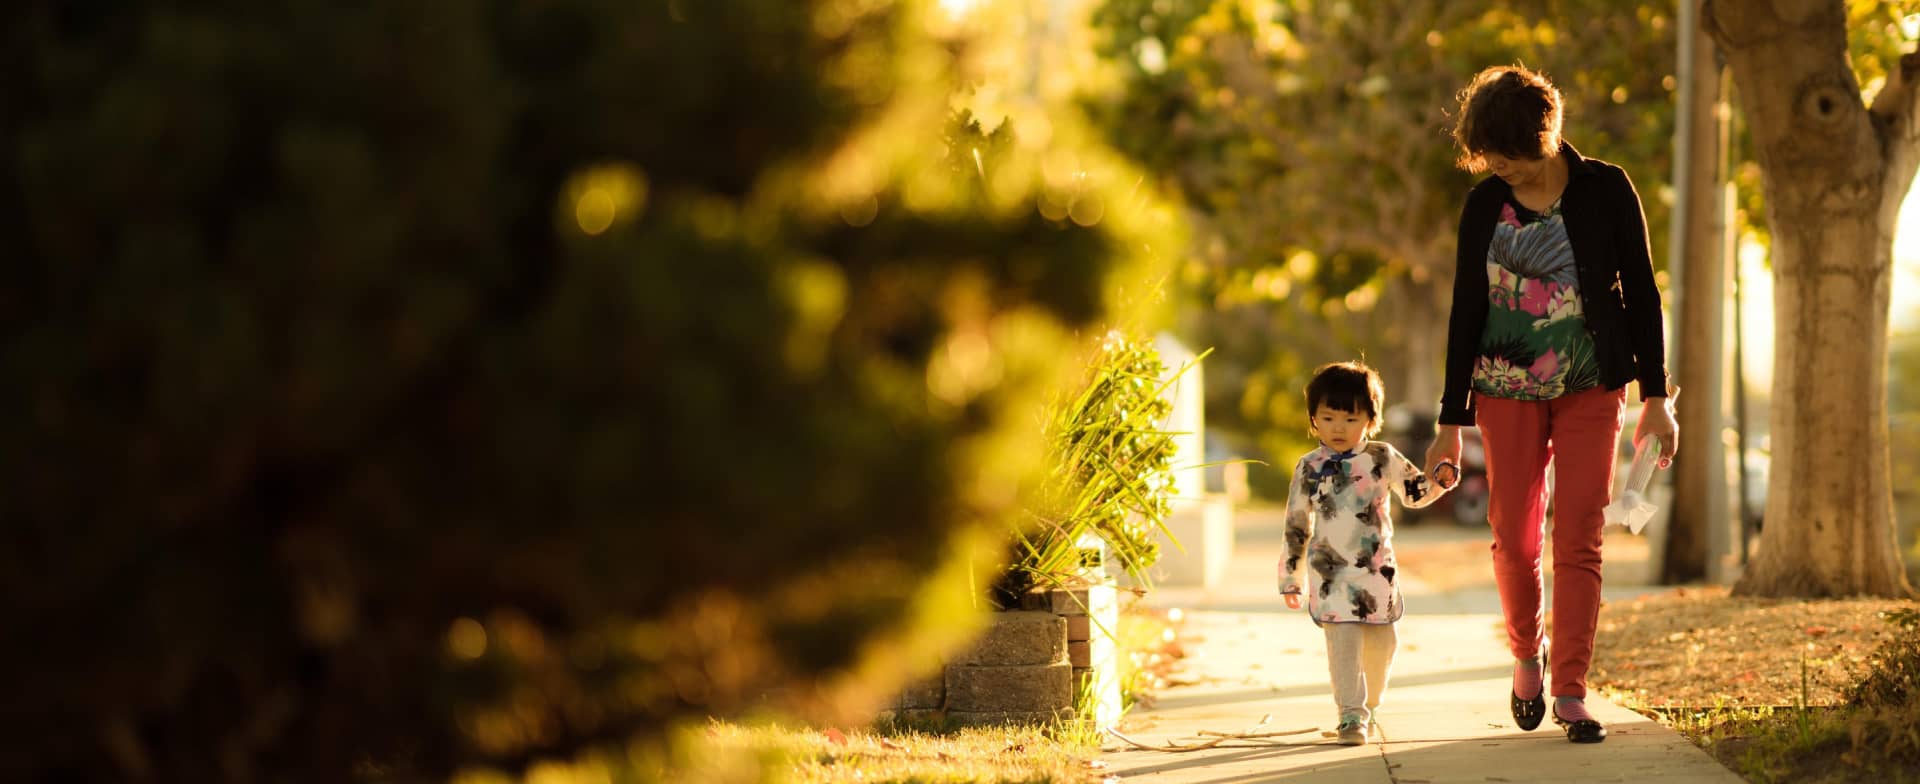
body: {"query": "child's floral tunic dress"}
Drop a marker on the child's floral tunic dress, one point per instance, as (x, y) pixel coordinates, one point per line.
(1339, 526)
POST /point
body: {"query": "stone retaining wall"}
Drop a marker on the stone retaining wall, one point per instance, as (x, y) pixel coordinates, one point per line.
(1028, 666)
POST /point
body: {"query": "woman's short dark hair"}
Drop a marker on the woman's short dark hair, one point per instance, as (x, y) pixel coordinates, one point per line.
(1348, 386)
(1508, 110)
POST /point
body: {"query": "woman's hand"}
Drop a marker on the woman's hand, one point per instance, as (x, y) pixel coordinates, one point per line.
(1656, 419)
(1293, 601)
(1445, 449)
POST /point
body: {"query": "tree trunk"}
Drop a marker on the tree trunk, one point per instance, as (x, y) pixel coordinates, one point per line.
(1426, 347)
(1699, 482)
(1834, 173)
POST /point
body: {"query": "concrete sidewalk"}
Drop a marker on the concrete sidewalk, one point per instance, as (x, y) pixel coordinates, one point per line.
(1444, 717)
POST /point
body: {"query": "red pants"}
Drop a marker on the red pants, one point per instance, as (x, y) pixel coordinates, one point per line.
(1577, 433)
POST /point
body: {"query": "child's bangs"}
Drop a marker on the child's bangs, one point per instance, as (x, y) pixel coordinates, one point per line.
(1347, 400)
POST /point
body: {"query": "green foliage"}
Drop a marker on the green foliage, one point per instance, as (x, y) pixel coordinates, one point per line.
(419, 386)
(1110, 460)
(1884, 706)
(1309, 142)
(1109, 465)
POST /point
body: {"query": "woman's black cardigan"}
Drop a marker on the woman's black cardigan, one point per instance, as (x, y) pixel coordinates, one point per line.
(1608, 233)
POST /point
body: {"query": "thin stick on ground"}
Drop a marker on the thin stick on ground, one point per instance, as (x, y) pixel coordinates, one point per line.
(1250, 733)
(1255, 735)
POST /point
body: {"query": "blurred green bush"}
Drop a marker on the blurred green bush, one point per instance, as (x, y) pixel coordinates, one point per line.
(401, 388)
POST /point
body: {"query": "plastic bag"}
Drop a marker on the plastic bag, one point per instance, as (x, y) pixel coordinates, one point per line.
(1632, 508)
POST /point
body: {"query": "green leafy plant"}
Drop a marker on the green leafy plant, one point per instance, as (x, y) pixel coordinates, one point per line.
(1108, 458)
(1110, 462)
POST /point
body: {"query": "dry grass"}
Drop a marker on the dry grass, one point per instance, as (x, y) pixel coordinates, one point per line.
(729, 752)
(1761, 684)
(769, 753)
(1025, 755)
(1701, 647)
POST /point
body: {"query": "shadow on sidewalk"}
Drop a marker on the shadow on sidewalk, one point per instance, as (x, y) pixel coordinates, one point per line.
(1209, 699)
(1238, 758)
(1635, 754)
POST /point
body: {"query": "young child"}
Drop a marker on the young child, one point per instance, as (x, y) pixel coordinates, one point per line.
(1337, 521)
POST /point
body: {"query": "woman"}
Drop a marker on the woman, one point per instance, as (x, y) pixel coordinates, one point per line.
(1555, 311)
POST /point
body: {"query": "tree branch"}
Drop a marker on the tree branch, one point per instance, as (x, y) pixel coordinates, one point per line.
(1896, 119)
(1895, 103)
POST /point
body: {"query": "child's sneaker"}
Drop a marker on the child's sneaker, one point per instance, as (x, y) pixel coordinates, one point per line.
(1351, 732)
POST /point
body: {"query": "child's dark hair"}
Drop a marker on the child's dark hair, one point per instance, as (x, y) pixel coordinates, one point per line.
(1508, 110)
(1348, 386)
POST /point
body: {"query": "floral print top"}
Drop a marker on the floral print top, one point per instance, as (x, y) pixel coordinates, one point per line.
(1338, 521)
(1535, 345)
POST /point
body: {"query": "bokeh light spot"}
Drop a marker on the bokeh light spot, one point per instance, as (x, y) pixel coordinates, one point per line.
(467, 639)
(861, 212)
(595, 211)
(1087, 210)
(600, 197)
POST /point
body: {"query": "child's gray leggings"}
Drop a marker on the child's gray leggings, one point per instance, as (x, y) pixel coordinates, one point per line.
(1359, 656)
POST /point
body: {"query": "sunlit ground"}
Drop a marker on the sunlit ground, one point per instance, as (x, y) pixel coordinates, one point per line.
(734, 753)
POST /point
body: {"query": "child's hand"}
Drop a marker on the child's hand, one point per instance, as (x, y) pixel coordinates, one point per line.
(1293, 601)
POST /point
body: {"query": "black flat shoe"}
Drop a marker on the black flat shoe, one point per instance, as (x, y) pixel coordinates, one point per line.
(1527, 713)
(1581, 731)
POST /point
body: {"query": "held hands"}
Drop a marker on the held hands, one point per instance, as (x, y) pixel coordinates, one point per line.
(1445, 453)
(1656, 420)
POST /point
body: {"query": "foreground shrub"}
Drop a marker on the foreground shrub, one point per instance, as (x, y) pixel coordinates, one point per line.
(415, 387)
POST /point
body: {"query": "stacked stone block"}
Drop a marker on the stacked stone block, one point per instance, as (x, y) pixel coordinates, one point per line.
(1092, 614)
(1031, 666)
(1018, 672)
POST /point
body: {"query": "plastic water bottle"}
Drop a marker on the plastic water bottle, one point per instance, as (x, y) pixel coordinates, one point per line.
(1632, 508)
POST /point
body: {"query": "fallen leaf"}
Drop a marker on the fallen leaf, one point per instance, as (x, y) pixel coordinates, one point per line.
(1097, 764)
(837, 737)
(888, 744)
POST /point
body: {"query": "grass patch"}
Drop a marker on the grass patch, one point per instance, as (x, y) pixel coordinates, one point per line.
(726, 753)
(1871, 734)
(1769, 744)
(893, 752)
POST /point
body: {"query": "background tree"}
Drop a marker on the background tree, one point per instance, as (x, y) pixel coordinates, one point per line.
(1834, 169)
(1311, 147)
(425, 385)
